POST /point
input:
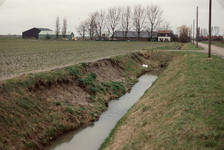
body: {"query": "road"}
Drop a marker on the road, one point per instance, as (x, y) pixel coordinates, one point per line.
(214, 49)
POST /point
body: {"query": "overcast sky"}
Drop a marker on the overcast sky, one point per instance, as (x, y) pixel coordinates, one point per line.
(17, 16)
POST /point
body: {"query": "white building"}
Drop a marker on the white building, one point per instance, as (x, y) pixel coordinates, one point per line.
(164, 35)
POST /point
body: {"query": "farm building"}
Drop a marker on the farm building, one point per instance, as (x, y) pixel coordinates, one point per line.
(34, 32)
(164, 35)
(52, 35)
(133, 36)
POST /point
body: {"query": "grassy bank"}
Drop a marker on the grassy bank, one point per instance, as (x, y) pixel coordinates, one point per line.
(20, 56)
(37, 108)
(190, 46)
(183, 109)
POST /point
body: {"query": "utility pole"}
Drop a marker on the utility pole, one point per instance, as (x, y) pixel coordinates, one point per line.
(210, 28)
(193, 31)
(197, 28)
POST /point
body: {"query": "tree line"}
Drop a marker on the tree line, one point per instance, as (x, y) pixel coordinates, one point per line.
(137, 18)
(185, 33)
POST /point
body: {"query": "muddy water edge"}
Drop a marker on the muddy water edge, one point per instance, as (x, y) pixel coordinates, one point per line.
(91, 138)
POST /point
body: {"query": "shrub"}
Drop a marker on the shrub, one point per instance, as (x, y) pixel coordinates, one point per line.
(78, 112)
(89, 79)
(83, 108)
(58, 103)
(68, 109)
(93, 89)
(72, 71)
(93, 75)
(92, 98)
(91, 113)
(101, 101)
(118, 87)
(83, 64)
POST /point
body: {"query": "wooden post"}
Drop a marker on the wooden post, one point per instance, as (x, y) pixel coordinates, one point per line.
(210, 28)
(197, 29)
(193, 31)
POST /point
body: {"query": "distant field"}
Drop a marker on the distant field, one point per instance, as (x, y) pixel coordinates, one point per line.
(22, 56)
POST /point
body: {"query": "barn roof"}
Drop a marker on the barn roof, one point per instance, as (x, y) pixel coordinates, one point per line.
(164, 31)
(44, 29)
(40, 29)
(134, 34)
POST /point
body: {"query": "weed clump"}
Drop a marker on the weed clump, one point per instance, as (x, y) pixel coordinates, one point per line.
(83, 64)
(89, 79)
(69, 109)
(73, 71)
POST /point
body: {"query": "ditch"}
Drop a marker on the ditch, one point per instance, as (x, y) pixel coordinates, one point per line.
(91, 138)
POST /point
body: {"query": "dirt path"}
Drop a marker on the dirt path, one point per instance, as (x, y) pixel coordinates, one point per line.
(214, 49)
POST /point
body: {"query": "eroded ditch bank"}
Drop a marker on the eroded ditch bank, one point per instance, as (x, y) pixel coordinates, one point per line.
(92, 137)
(37, 108)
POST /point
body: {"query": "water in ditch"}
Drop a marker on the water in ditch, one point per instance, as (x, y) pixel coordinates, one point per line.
(91, 138)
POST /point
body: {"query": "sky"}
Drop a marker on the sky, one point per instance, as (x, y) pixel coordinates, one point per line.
(17, 16)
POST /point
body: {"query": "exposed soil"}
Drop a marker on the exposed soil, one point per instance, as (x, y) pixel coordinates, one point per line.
(106, 70)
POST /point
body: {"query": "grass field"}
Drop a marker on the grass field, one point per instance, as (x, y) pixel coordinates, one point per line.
(190, 46)
(21, 56)
(183, 109)
(219, 44)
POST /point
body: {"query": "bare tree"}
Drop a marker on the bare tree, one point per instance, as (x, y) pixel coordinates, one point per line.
(139, 17)
(64, 27)
(154, 16)
(82, 29)
(204, 32)
(57, 27)
(212, 31)
(125, 20)
(91, 23)
(216, 30)
(183, 33)
(165, 26)
(113, 18)
(100, 23)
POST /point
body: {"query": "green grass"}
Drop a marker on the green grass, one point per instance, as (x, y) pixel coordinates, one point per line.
(219, 44)
(190, 46)
(21, 56)
(171, 46)
(183, 109)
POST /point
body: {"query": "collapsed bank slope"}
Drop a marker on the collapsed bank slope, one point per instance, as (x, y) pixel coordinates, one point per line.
(184, 109)
(37, 108)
